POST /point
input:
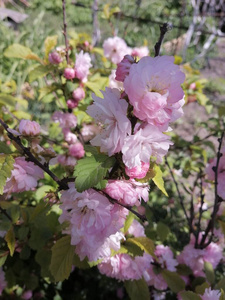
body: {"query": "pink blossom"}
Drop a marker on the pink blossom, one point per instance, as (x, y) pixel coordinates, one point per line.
(123, 68)
(111, 113)
(154, 89)
(82, 66)
(146, 142)
(29, 128)
(113, 83)
(3, 283)
(71, 103)
(77, 150)
(89, 131)
(66, 120)
(136, 229)
(69, 73)
(78, 94)
(92, 220)
(211, 294)
(24, 176)
(27, 295)
(140, 51)
(115, 49)
(139, 171)
(124, 191)
(69, 137)
(155, 279)
(54, 58)
(66, 160)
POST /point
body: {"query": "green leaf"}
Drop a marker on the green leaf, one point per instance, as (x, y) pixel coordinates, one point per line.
(50, 43)
(220, 284)
(137, 289)
(9, 100)
(38, 72)
(130, 248)
(3, 257)
(128, 222)
(42, 191)
(47, 90)
(175, 283)
(11, 241)
(89, 171)
(62, 259)
(101, 184)
(209, 272)
(188, 295)
(200, 289)
(99, 84)
(144, 243)
(162, 231)
(183, 270)
(19, 51)
(222, 226)
(158, 180)
(43, 258)
(4, 148)
(222, 296)
(6, 166)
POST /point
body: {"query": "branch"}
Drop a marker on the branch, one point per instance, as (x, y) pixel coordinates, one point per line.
(62, 183)
(163, 30)
(217, 202)
(64, 30)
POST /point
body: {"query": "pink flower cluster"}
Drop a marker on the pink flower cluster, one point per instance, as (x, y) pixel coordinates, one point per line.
(24, 176)
(116, 48)
(29, 128)
(67, 122)
(221, 173)
(93, 220)
(3, 283)
(195, 258)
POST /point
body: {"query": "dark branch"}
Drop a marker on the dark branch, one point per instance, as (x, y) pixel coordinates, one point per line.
(64, 30)
(163, 30)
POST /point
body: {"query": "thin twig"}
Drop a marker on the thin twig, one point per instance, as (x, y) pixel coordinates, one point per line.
(65, 31)
(211, 223)
(163, 30)
(5, 213)
(202, 196)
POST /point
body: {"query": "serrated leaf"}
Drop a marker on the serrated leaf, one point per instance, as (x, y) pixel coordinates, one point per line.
(131, 249)
(62, 259)
(209, 272)
(38, 72)
(188, 295)
(150, 174)
(96, 86)
(50, 43)
(3, 257)
(137, 289)
(183, 270)
(89, 171)
(200, 289)
(19, 51)
(162, 231)
(220, 284)
(101, 185)
(6, 166)
(158, 180)
(175, 283)
(11, 241)
(144, 243)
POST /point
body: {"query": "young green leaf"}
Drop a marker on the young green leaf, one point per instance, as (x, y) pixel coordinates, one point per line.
(6, 166)
(175, 283)
(137, 289)
(158, 180)
(144, 243)
(11, 241)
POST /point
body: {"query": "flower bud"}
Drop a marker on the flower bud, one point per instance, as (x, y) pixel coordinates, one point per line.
(69, 73)
(78, 94)
(77, 150)
(29, 128)
(54, 58)
(71, 103)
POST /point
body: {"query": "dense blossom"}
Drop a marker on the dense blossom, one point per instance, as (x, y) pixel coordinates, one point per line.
(195, 258)
(92, 220)
(24, 176)
(29, 128)
(154, 89)
(126, 191)
(111, 113)
(123, 68)
(115, 49)
(82, 66)
(139, 171)
(66, 120)
(221, 173)
(146, 142)
(77, 150)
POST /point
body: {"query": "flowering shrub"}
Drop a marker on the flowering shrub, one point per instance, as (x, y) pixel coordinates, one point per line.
(87, 189)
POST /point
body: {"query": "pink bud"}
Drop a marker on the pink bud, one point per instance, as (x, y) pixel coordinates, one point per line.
(77, 150)
(27, 295)
(54, 58)
(71, 103)
(86, 43)
(123, 68)
(192, 86)
(78, 94)
(27, 127)
(138, 172)
(69, 73)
